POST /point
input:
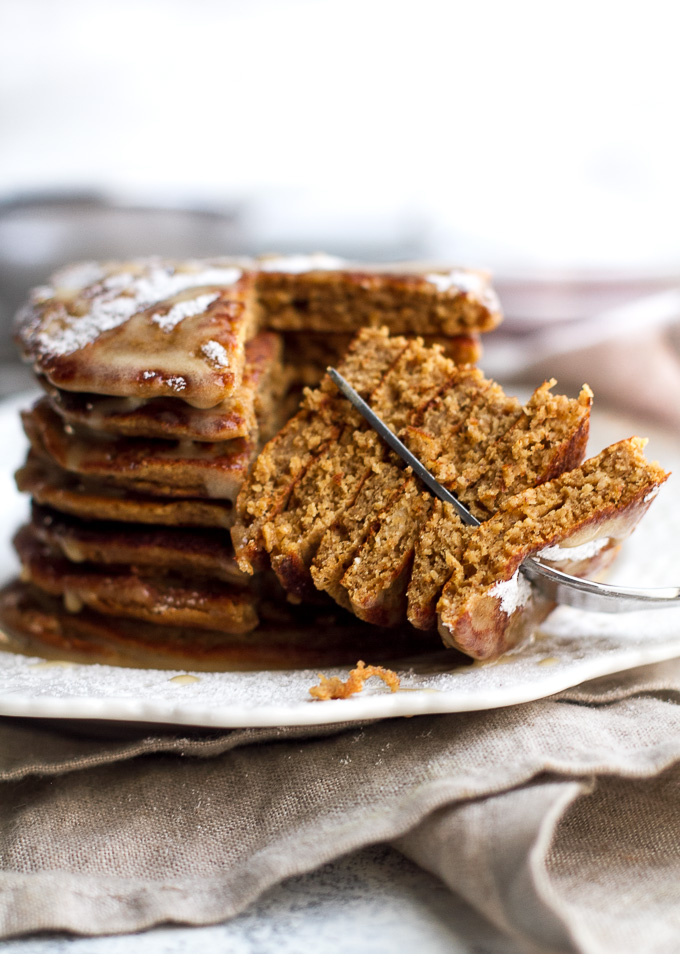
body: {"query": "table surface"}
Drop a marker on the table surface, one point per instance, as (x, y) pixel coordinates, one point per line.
(374, 900)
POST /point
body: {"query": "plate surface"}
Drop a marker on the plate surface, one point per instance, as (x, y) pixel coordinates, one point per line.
(573, 646)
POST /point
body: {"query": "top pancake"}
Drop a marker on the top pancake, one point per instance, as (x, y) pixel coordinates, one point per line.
(322, 293)
(148, 328)
(152, 328)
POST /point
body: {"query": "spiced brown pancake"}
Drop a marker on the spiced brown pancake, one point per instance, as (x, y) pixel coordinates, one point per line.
(168, 600)
(323, 415)
(309, 353)
(147, 328)
(255, 401)
(482, 605)
(160, 550)
(166, 468)
(317, 293)
(92, 500)
(287, 638)
(349, 495)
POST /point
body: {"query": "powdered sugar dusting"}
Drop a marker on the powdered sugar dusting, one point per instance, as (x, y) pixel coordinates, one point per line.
(160, 283)
(298, 264)
(460, 280)
(216, 353)
(182, 310)
(41, 294)
(78, 276)
(71, 333)
(115, 298)
(512, 594)
(565, 554)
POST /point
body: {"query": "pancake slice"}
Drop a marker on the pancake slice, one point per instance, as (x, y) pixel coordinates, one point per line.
(71, 494)
(165, 468)
(486, 606)
(313, 431)
(143, 329)
(437, 559)
(159, 550)
(123, 591)
(547, 438)
(342, 540)
(377, 578)
(329, 485)
(459, 426)
(264, 383)
(301, 293)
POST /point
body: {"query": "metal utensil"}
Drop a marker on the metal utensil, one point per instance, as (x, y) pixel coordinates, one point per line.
(556, 586)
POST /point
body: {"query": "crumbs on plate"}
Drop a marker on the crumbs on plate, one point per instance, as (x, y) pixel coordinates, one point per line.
(335, 688)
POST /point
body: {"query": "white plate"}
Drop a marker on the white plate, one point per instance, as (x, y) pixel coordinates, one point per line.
(573, 646)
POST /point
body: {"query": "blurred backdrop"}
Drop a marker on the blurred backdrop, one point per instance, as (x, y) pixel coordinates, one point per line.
(539, 140)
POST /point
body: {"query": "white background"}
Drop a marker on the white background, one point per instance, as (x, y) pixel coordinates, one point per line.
(524, 133)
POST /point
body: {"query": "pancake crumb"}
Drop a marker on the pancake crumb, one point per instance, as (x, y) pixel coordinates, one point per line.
(335, 688)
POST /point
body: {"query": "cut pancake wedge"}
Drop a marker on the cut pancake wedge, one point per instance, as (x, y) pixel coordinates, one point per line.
(482, 609)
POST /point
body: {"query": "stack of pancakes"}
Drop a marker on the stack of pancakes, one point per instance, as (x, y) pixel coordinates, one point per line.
(159, 390)
(162, 382)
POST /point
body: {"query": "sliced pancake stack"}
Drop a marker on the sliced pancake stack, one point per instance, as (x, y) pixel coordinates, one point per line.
(346, 518)
(162, 382)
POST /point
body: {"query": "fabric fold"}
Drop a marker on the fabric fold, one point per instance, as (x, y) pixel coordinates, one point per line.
(557, 820)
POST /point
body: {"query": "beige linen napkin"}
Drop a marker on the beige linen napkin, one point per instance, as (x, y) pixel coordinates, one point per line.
(559, 820)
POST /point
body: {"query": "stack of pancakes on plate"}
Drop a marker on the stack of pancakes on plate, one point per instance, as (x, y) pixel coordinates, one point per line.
(162, 382)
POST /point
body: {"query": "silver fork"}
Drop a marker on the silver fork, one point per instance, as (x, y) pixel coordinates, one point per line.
(556, 586)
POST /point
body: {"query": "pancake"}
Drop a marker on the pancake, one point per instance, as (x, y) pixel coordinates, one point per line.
(332, 482)
(308, 354)
(287, 638)
(253, 404)
(143, 329)
(285, 459)
(319, 293)
(161, 550)
(165, 468)
(124, 591)
(354, 520)
(484, 607)
(68, 493)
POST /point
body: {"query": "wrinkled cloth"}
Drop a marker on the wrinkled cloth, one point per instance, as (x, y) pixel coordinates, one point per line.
(558, 820)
